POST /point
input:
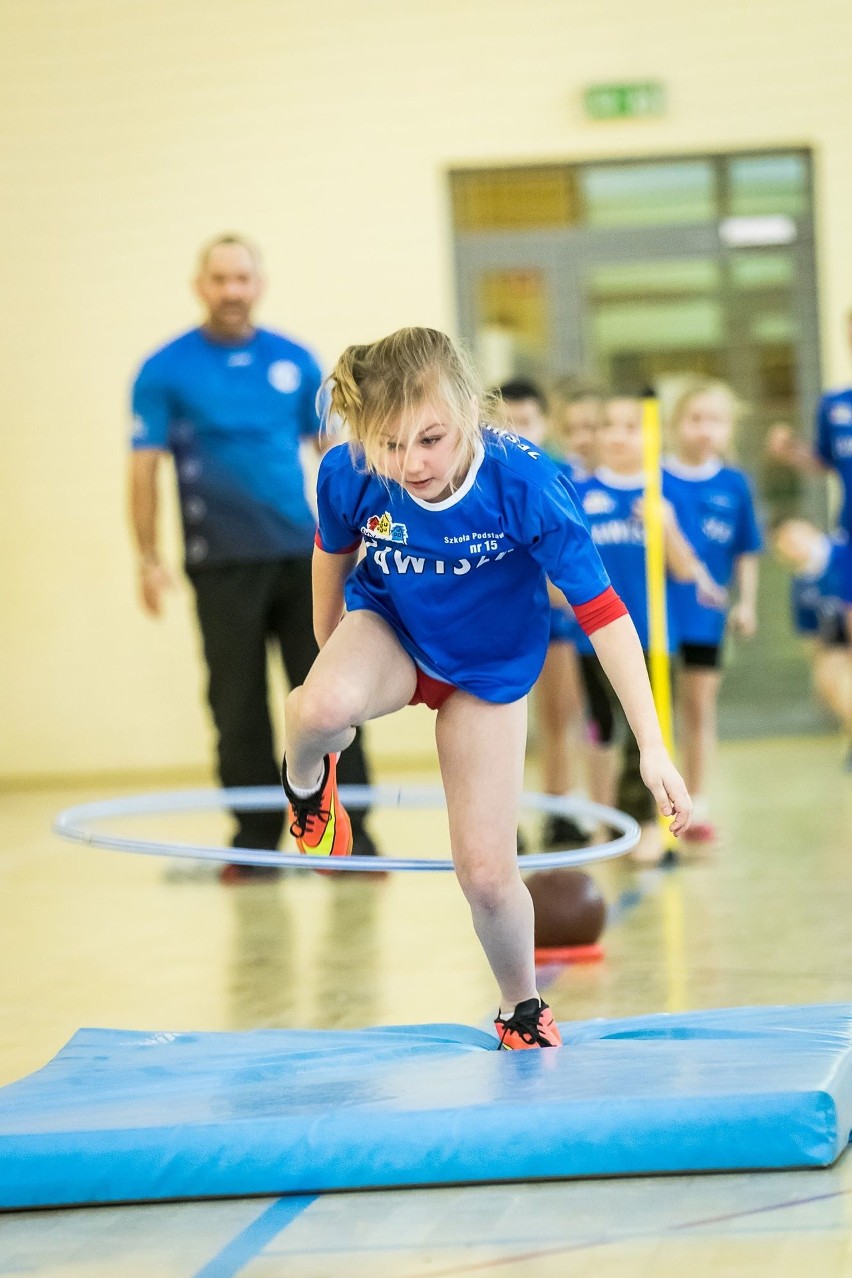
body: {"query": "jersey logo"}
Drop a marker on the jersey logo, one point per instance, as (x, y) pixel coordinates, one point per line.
(840, 414)
(284, 376)
(326, 843)
(384, 527)
(597, 502)
(717, 530)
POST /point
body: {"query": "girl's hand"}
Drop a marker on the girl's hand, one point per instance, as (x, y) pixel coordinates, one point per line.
(666, 784)
(742, 620)
(710, 593)
(667, 511)
(780, 441)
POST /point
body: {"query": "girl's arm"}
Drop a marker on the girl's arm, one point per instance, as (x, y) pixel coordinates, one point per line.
(329, 574)
(743, 616)
(620, 653)
(783, 446)
(684, 564)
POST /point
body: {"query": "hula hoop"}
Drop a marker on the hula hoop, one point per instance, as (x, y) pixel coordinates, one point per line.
(75, 823)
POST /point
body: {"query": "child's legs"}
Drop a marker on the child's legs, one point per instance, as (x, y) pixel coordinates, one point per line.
(601, 709)
(559, 705)
(363, 672)
(832, 671)
(699, 691)
(481, 752)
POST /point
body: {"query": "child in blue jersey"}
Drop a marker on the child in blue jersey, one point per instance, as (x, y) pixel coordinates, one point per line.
(819, 614)
(715, 508)
(461, 524)
(558, 693)
(577, 412)
(611, 500)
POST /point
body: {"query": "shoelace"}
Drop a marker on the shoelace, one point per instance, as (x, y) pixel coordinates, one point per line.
(303, 810)
(526, 1026)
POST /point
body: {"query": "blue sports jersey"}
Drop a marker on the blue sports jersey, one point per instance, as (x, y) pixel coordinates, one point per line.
(715, 509)
(609, 504)
(816, 597)
(233, 416)
(462, 581)
(834, 444)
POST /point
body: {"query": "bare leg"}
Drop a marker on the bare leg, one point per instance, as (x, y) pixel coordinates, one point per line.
(699, 691)
(481, 752)
(603, 763)
(559, 706)
(832, 671)
(362, 673)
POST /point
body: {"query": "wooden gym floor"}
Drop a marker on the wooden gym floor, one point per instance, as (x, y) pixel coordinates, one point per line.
(101, 938)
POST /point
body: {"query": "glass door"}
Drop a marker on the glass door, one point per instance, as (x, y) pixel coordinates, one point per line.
(636, 273)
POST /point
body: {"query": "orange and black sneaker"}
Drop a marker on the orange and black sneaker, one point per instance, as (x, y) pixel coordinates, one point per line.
(530, 1025)
(319, 824)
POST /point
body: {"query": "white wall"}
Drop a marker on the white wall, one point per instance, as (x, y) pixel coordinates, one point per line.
(130, 132)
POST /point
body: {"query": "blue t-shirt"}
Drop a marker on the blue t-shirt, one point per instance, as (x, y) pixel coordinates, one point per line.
(233, 416)
(715, 509)
(834, 444)
(609, 504)
(462, 581)
(816, 597)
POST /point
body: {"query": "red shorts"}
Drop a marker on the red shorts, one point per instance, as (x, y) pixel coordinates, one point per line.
(431, 692)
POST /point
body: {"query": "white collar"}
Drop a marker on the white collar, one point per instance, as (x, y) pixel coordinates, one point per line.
(463, 488)
(682, 470)
(613, 480)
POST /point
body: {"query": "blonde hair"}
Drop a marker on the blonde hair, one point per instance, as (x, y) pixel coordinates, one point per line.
(575, 389)
(375, 389)
(687, 388)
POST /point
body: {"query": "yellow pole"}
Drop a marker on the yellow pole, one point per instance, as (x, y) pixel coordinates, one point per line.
(658, 651)
(655, 576)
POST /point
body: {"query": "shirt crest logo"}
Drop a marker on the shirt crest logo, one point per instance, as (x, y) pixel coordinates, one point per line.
(382, 526)
(284, 376)
(597, 502)
(840, 414)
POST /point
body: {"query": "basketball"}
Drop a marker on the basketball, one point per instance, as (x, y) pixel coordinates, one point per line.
(569, 908)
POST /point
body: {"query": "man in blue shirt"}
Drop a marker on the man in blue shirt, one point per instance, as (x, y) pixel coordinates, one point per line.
(232, 403)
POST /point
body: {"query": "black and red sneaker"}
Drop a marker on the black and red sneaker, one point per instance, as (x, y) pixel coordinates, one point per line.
(530, 1025)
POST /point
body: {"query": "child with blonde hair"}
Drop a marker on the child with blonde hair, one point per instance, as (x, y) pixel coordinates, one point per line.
(714, 505)
(461, 524)
(558, 695)
(611, 499)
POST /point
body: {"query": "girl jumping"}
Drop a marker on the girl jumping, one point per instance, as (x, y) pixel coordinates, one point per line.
(461, 525)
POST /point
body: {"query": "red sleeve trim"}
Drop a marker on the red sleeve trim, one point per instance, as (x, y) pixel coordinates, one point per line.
(600, 611)
(347, 550)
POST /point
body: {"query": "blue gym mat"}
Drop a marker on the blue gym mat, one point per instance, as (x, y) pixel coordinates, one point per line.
(120, 1116)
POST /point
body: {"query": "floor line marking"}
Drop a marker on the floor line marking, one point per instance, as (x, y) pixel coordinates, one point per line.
(589, 1245)
(236, 1254)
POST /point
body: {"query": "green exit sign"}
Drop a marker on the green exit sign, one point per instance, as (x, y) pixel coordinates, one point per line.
(624, 101)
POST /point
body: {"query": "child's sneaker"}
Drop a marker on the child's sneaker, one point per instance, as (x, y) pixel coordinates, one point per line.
(319, 824)
(563, 832)
(530, 1025)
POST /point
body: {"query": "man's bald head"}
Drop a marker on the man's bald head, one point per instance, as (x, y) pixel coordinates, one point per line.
(229, 284)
